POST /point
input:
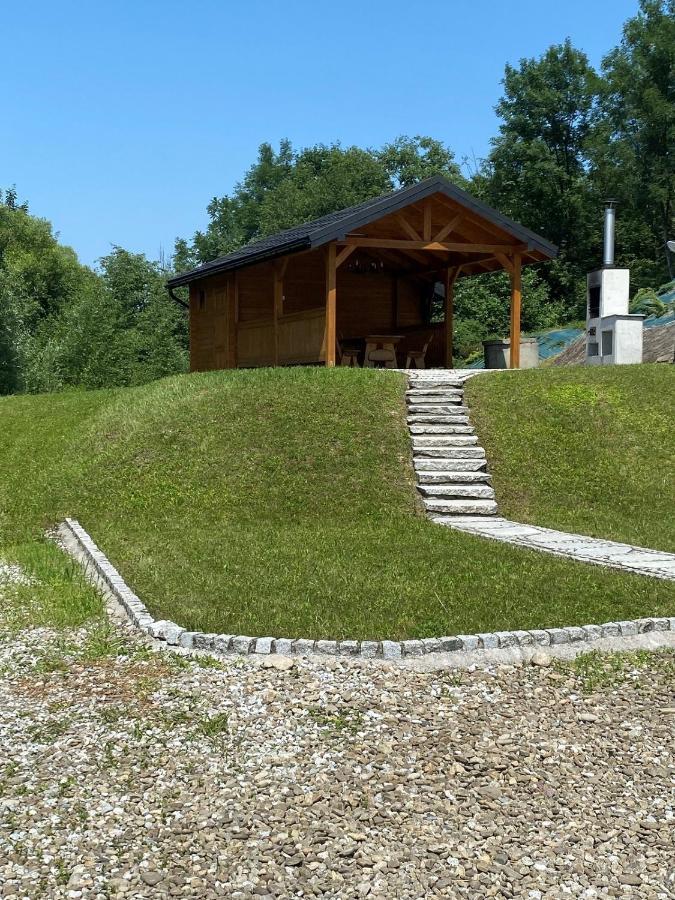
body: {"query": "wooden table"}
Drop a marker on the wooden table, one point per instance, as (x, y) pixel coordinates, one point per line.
(386, 342)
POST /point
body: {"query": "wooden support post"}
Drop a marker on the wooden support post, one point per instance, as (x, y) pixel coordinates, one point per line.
(426, 224)
(331, 298)
(450, 278)
(514, 354)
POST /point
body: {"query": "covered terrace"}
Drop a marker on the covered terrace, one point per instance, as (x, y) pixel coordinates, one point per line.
(375, 275)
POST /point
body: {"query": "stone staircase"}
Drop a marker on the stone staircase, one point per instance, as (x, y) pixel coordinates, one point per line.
(449, 464)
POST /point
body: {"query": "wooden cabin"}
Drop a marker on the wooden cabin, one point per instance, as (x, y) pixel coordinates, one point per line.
(378, 269)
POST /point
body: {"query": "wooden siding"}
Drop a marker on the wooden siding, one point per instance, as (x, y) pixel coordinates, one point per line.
(233, 325)
(212, 323)
(305, 282)
(256, 292)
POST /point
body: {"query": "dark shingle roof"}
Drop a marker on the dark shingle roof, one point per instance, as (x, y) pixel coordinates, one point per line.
(336, 225)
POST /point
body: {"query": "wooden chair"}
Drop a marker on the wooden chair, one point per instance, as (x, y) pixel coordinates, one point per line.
(349, 356)
(418, 356)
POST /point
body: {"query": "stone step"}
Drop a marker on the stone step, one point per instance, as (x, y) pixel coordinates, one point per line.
(445, 408)
(436, 385)
(428, 464)
(428, 394)
(445, 476)
(449, 491)
(466, 507)
(448, 453)
(440, 429)
(437, 419)
(444, 440)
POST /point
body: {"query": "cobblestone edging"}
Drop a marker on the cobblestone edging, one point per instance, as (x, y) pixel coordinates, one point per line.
(176, 636)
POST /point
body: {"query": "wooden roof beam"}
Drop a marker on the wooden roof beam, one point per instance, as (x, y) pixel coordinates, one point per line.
(453, 247)
(449, 228)
(472, 222)
(407, 227)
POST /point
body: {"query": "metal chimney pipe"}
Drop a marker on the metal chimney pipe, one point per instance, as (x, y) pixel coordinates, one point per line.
(608, 245)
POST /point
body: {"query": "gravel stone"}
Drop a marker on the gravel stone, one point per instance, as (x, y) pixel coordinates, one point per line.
(147, 774)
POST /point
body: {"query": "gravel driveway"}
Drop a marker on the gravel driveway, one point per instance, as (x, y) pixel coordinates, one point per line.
(150, 775)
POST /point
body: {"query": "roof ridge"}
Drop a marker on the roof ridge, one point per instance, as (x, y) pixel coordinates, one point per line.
(334, 225)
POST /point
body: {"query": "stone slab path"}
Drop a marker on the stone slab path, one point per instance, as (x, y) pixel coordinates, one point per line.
(448, 494)
(613, 554)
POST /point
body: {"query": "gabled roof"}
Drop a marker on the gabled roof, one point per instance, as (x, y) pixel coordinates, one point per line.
(336, 225)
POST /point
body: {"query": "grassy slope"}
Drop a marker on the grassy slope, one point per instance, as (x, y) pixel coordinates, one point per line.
(279, 502)
(586, 449)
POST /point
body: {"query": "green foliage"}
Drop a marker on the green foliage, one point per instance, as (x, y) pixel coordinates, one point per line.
(38, 278)
(288, 187)
(410, 160)
(634, 151)
(282, 502)
(537, 170)
(482, 308)
(648, 302)
(122, 330)
(600, 671)
(63, 325)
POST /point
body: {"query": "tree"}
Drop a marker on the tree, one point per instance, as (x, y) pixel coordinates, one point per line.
(321, 180)
(482, 308)
(120, 330)
(537, 171)
(410, 160)
(38, 277)
(286, 188)
(634, 156)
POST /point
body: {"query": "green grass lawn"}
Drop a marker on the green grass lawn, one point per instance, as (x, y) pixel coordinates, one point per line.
(583, 449)
(278, 502)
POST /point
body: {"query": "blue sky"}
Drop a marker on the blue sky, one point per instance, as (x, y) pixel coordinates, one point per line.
(120, 121)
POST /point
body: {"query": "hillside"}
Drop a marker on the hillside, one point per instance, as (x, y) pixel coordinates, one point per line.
(282, 502)
(583, 449)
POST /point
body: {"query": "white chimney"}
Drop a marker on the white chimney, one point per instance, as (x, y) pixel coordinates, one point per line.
(613, 335)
